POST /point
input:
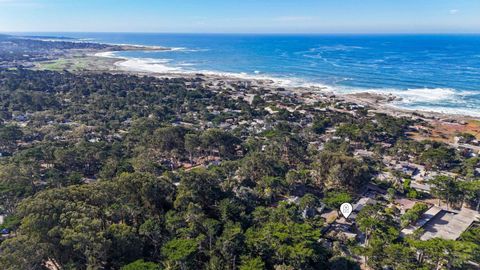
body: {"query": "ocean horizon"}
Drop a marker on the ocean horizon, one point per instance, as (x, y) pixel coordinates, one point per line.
(429, 72)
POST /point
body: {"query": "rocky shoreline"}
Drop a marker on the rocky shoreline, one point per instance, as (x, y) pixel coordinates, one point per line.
(106, 61)
(384, 103)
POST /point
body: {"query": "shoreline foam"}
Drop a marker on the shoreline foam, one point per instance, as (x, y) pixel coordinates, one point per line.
(155, 65)
(402, 100)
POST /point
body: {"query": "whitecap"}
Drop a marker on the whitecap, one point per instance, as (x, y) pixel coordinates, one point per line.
(445, 110)
(441, 100)
(340, 48)
(427, 94)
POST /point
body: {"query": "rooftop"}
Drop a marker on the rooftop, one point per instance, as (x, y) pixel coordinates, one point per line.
(427, 216)
(449, 225)
(440, 223)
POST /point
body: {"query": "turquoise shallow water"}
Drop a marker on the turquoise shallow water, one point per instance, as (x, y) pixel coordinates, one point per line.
(430, 72)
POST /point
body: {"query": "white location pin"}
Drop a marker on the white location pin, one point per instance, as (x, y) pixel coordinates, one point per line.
(346, 209)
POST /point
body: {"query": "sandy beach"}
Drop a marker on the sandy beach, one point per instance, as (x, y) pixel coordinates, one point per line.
(434, 126)
(382, 102)
(439, 126)
(107, 61)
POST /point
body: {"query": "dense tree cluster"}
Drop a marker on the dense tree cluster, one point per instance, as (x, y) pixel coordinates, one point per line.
(114, 171)
(383, 247)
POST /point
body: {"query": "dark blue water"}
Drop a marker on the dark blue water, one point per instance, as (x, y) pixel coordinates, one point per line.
(430, 72)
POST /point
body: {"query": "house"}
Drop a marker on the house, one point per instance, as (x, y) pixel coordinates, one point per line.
(405, 204)
(364, 201)
(407, 169)
(449, 225)
(423, 187)
(441, 223)
(87, 180)
(374, 191)
(427, 216)
(363, 153)
(343, 231)
(270, 110)
(292, 199)
(385, 176)
(330, 216)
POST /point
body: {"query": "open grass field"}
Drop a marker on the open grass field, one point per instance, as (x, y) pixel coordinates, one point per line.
(78, 63)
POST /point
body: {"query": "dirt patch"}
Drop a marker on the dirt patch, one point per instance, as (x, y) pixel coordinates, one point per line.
(445, 131)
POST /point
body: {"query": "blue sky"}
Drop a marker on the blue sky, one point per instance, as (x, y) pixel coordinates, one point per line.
(246, 16)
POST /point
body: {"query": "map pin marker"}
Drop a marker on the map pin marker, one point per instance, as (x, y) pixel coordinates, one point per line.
(346, 209)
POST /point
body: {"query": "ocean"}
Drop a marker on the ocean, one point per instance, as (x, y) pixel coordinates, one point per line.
(438, 73)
